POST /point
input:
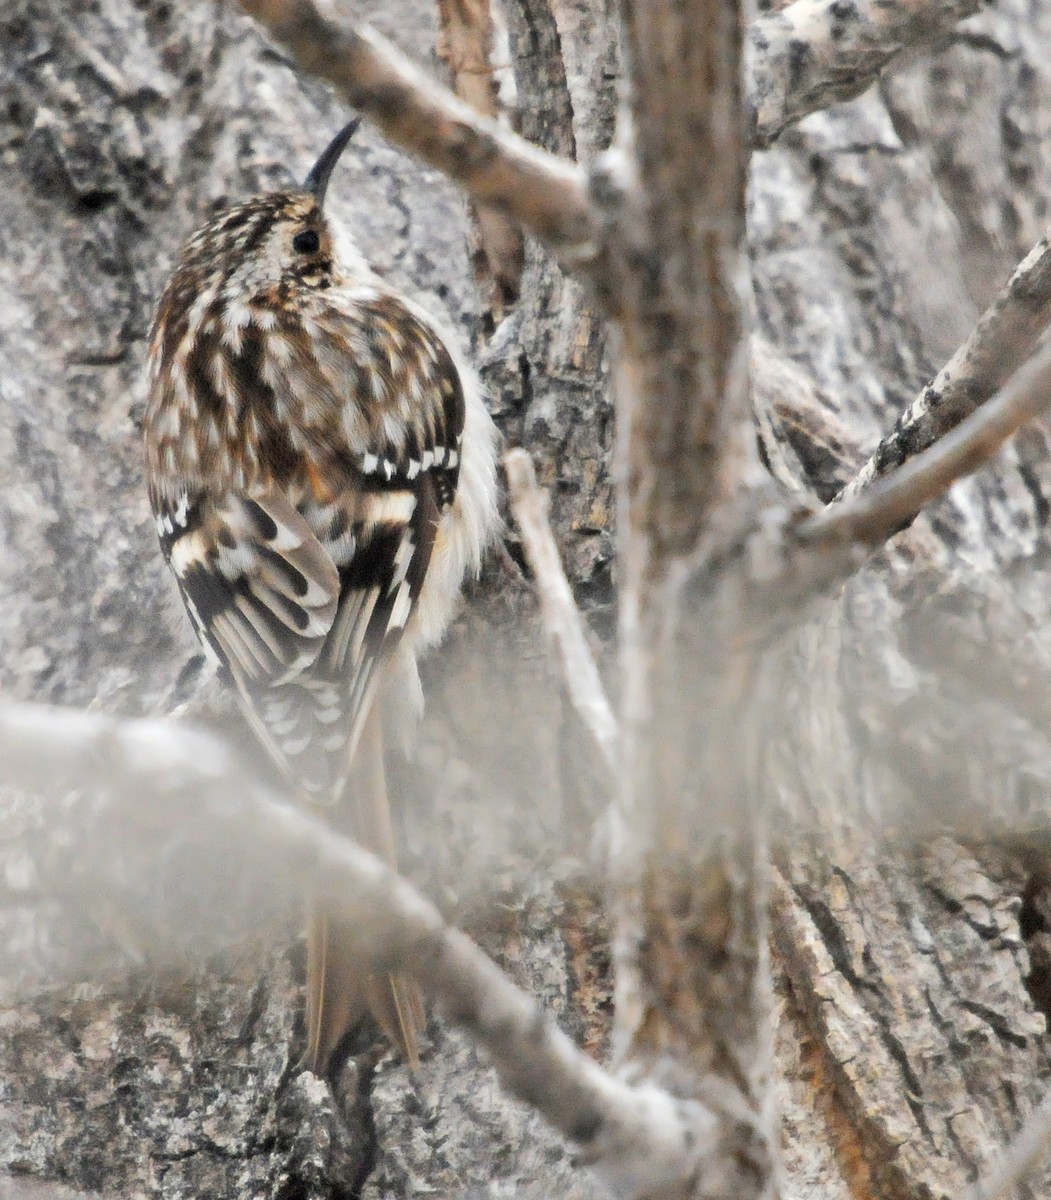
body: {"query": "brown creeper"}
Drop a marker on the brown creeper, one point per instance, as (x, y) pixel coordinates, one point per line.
(321, 468)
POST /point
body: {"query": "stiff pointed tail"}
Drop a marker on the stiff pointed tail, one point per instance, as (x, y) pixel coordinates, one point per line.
(340, 991)
(339, 994)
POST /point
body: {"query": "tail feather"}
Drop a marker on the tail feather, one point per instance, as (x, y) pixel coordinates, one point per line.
(339, 992)
(339, 995)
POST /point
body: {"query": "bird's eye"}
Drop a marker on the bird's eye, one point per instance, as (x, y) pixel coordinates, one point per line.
(306, 242)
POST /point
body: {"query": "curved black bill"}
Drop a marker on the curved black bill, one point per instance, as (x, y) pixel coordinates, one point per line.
(317, 181)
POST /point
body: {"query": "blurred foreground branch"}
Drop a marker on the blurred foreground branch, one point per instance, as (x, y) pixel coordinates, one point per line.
(163, 777)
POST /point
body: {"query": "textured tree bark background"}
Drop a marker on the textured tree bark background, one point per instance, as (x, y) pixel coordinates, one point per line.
(150, 1024)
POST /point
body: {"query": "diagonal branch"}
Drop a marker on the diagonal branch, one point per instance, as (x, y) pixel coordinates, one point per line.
(874, 515)
(811, 54)
(773, 565)
(545, 194)
(1007, 333)
(163, 778)
(562, 619)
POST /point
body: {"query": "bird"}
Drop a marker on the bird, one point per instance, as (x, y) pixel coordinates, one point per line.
(321, 466)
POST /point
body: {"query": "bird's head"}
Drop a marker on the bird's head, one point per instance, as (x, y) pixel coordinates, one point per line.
(267, 249)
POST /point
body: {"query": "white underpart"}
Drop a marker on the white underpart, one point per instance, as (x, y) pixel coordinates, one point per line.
(469, 526)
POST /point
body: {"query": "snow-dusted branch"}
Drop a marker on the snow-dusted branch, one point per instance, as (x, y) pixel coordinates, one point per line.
(562, 620)
(1007, 333)
(814, 53)
(166, 777)
(873, 515)
(545, 194)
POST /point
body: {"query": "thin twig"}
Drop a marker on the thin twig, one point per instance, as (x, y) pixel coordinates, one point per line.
(561, 617)
(545, 194)
(1007, 333)
(876, 513)
(815, 53)
(166, 778)
(1019, 1159)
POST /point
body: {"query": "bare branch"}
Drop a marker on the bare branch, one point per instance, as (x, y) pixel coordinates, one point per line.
(164, 777)
(690, 899)
(545, 194)
(810, 55)
(562, 619)
(815, 53)
(1020, 1159)
(878, 512)
(1007, 333)
(680, 237)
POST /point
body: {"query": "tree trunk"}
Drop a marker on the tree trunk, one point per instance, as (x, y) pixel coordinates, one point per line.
(151, 1024)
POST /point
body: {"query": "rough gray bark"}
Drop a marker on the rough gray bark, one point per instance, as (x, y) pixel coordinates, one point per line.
(913, 981)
